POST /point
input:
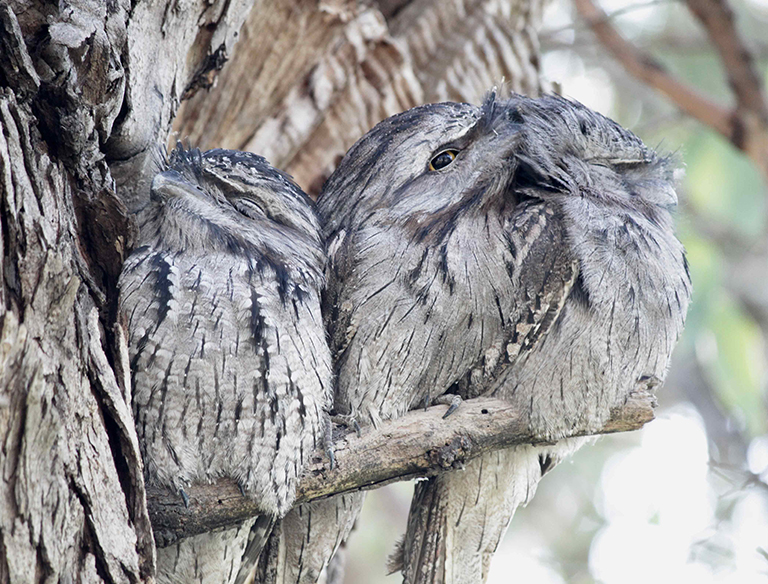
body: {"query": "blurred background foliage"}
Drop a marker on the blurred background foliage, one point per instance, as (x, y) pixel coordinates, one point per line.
(686, 498)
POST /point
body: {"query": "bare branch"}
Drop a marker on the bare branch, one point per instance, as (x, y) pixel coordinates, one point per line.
(746, 129)
(667, 41)
(420, 444)
(717, 18)
(650, 71)
(546, 34)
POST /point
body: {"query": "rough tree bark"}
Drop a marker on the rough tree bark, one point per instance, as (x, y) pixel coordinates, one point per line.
(88, 90)
(83, 84)
(309, 78)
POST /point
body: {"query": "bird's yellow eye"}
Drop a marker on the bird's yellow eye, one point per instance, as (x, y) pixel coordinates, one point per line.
(443, 159)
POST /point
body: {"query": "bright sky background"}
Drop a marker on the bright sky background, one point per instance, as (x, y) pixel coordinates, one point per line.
(658, 504)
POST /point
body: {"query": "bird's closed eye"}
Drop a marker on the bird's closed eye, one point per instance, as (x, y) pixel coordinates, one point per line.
(443, 159)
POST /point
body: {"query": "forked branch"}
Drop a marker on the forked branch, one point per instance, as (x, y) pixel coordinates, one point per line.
(650, 71)
(718, 20)
(746, 125)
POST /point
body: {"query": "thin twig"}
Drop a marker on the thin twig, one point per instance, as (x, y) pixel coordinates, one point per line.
(547, 33)
(718, 20)
(669, 42)
(744, 127)
(651, 72)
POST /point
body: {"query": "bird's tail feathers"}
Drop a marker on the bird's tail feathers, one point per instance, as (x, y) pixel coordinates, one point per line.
(301, 547)
(257, 538)
(420, 554)
(214, 557)
(458, 518)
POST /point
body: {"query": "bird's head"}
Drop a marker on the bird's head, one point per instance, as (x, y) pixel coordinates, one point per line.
(423, 167)
(226, 200)
(236, 186)
(566, 148)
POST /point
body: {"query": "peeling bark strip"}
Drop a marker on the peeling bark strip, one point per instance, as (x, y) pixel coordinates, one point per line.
(420, 444)
(172, 48)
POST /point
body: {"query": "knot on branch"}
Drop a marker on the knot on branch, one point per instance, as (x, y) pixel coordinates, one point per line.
(451, 456)
(165, 537)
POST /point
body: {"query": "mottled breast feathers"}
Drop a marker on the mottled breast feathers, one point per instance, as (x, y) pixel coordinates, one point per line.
(230, 365)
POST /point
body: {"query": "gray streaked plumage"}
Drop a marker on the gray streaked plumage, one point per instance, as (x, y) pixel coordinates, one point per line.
(230, 364)
(304, 542)
(540, 265)
(362, 361)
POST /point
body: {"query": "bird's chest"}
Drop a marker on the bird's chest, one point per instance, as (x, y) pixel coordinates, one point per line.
(464, 289)
(467, 303)
(209, 318)
(614, 336)
(422, 314)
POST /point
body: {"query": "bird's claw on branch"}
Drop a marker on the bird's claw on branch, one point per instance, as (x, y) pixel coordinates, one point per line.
(184, 498)
(348, 421)
(328, 442)
(453, 402)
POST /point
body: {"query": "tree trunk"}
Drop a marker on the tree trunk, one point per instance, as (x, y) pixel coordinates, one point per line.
(309, 78)
(88, 90)
(83, 84)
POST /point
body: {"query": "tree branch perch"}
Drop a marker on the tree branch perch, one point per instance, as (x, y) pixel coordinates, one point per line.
(420, 444)
(718, 20)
